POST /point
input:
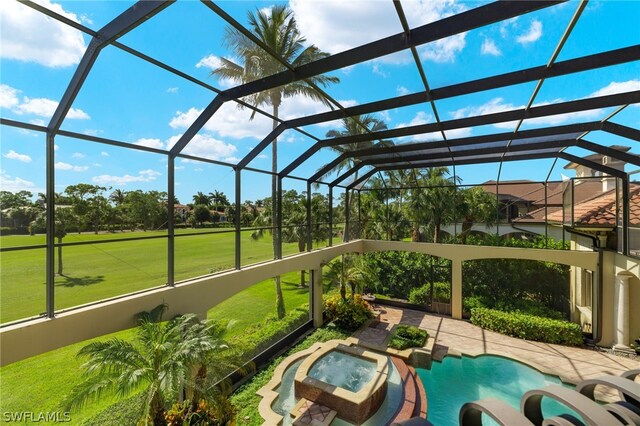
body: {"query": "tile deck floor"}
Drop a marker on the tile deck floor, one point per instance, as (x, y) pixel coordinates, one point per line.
(571, 364)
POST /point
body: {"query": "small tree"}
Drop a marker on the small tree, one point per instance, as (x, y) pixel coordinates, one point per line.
(159, 361)
(201, 213)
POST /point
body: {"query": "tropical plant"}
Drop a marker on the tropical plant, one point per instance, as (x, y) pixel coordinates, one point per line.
(201, 198)
(433, 201)
(475, 206)
(276, 28)
(159, 362)
(350, 269)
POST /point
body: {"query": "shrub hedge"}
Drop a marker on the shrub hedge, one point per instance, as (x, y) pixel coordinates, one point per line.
(422, 295)
(408, 336)
(528, 327)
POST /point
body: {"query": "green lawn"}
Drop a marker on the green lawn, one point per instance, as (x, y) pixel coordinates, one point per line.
(39, 383)
(99, 271)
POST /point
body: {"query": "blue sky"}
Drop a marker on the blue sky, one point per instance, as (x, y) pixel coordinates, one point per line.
(127, 99)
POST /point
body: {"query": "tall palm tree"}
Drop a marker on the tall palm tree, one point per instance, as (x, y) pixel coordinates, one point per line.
(277, 28)
(201, 198)
(433, 203)
(353, 126)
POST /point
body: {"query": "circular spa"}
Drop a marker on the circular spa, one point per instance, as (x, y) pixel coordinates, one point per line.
(349, 380)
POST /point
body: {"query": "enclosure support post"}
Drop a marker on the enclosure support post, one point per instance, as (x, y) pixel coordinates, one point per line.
(278, 231)
(456, 289)
(625, 216)
(359, 214)
(330, 216)
(170, 221)
(546, 219)
(315, 294)
(347, 216)
(309, 236)
(237, 218)
(51, 225)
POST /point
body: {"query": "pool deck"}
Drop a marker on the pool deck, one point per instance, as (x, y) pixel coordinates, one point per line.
(456, 337)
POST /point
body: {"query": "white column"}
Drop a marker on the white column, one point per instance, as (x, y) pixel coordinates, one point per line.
(622, 309)
(456, 289)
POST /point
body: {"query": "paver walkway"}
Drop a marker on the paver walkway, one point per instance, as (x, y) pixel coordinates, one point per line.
(455, 336)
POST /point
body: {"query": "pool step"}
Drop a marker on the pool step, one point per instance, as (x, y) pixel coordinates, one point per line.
(309, 413)
(414, 403)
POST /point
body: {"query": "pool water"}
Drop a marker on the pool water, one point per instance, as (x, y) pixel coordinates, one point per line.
(343, 370)
(287, 400)
(455, 381)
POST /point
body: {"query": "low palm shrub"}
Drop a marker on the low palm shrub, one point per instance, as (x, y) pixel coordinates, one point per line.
(528, 327)
(408, 336)
(347, 314)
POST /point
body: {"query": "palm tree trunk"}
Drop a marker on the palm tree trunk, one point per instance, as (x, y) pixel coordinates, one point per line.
(301, 247)
(274, 212)
(59, 256)
(436, 232)
(157, 410)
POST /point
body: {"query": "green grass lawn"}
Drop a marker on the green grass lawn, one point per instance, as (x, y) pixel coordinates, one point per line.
(95, 272)
(39, 383)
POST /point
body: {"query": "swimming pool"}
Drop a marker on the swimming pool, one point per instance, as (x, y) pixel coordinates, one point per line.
(454, 381)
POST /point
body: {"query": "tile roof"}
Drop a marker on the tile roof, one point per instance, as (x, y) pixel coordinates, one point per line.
(599, 210)
(526, 190)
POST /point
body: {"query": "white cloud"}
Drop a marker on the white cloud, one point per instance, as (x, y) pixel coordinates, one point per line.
(12, 155)
(205, 146)
(211, 61)
(104, 154)
(77, 155)
(150, 143)
(617, 87)
(377, 70)
(232, 122)
(143, 176)
(30, 36)
(8, 96)
(66, 166)
(92, 132)
(37, 122)
(7, 183)
(421, 117)
(341, 25)
(506, 25)
(44, 107)
(534, 33)
(498, 105)
(444, 50)
(172, 90)
(489, 48)
(263, 156)
(458, 133)
(401, 90)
